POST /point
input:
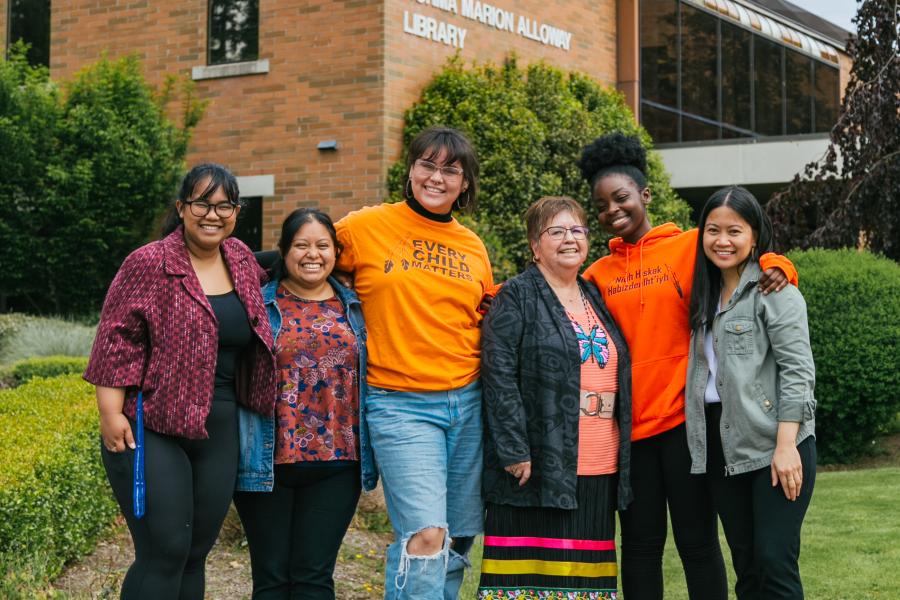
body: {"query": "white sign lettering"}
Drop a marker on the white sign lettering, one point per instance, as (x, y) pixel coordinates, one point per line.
(434, 30)
(487, 14)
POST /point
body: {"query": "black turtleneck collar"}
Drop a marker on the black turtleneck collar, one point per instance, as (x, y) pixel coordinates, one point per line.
(421, 210)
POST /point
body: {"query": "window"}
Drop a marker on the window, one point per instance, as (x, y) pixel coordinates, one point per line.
(798, 92)
(826, 84)
(736, 45)
(29, 21)
(768, 93)
(233, 31)
(659, 51)
(699, 67)
(705, 77)
(249, 224)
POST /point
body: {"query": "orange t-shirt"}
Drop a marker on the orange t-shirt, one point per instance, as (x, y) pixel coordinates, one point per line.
(420, 282)
(598, 431)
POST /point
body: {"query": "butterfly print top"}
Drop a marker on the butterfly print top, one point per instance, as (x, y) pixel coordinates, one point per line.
(317, 407)
(598, 431)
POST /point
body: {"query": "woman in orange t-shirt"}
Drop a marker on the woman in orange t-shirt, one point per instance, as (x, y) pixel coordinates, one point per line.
(420, 275)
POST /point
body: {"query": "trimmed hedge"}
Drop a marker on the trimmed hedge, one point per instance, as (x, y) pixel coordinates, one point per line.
(24, 371)
(853, 299)
(54, 499)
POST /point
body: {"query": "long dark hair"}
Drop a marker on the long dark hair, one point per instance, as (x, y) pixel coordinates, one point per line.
(429, 143)
(707, 286)
(219, 177)
(289, 228)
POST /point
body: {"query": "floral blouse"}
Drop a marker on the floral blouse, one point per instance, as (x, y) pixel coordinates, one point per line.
(317, 406)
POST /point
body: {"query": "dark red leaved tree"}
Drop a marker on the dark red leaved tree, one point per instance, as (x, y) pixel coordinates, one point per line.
(851, 196)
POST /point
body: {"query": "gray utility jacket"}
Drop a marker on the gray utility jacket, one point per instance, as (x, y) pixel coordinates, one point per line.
(765, 375)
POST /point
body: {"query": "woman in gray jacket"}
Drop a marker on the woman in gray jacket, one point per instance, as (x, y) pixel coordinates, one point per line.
(750, 405)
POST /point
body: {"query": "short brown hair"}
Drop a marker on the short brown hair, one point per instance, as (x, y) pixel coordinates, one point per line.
(429, 143)
(544, 209)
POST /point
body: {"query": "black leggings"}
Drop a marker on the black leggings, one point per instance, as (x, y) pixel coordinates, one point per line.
(295, 531)
(189, 488)
(761, 525)
(660, 476)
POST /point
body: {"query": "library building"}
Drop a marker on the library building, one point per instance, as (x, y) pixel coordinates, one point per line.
(306, 97)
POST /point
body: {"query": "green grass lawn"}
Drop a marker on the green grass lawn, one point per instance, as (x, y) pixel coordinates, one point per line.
(850, 548)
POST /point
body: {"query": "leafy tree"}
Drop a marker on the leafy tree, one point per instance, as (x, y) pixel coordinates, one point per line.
(528, 127)
(851, 196)
(89, 165)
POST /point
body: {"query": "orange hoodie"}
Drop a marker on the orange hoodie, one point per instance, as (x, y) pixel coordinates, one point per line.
(647, 287)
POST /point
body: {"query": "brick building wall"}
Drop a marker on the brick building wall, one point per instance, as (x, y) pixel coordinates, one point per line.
(341, 70)
(411, 60)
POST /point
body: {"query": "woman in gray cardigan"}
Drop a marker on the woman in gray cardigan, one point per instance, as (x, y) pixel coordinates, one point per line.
(749, 398)
(557, 400)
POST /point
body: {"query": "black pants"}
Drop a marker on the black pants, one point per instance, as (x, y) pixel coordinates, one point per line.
(189, 488)
(660, 476)
(761, 525)
(295, 531)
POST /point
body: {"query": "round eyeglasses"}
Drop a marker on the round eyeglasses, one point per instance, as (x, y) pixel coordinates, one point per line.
(201, 209)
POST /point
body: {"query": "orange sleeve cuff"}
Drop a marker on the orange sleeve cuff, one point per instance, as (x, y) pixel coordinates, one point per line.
(488, 297)
(770, 260)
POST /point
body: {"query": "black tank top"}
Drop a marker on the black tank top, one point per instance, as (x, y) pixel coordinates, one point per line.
(235, 336)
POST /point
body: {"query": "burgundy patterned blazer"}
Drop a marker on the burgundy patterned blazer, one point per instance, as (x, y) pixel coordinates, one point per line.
(158, 332)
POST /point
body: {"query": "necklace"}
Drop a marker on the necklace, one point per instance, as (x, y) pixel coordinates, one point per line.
(593, 344)
(589, 314)
(285, 284)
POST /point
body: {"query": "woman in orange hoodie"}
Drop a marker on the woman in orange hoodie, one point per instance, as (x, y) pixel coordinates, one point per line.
(646, 283)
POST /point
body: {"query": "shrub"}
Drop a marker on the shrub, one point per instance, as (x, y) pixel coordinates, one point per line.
(528, 127)
(89, 163)
(24, 371)
(853, 299)
(38, 336)
(10, 323)
(54, 499)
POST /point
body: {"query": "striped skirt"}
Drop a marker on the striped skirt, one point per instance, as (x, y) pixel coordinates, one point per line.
(542, 553)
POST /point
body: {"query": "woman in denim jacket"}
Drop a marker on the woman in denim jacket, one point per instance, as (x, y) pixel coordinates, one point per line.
(310, 458)
(750, 405)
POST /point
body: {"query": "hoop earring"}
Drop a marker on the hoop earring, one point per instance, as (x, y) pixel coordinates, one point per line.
(407, 189)
(535, 259)
(462, 206)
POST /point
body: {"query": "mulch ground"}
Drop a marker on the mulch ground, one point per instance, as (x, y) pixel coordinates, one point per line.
(359, 574)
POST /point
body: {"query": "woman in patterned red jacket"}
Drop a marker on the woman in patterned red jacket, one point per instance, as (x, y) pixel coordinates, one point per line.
(184, 322)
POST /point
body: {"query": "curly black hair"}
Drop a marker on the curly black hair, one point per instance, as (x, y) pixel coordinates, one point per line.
(614, 153)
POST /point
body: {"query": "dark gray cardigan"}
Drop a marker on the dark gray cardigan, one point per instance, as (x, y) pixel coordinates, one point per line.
(531, 370)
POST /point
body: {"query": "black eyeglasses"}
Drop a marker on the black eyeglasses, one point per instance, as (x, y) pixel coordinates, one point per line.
(201, 209)
(428, 167)
(556, 233)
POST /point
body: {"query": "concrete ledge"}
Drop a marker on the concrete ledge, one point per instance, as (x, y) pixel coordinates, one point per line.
(252, 186)
(250, 67)
(757, 162)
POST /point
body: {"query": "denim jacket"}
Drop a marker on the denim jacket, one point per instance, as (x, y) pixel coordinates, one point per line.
(257, 433)
(765, 375)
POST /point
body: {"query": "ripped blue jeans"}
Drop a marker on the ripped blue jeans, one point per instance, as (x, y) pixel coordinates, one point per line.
(428, 447)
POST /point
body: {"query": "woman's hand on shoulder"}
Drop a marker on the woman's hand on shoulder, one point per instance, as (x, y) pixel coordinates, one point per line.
(521, 471)
(116, 432)
(344, 278)
(772, 280)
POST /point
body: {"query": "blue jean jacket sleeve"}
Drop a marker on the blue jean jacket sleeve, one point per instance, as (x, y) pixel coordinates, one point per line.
(256, 471)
